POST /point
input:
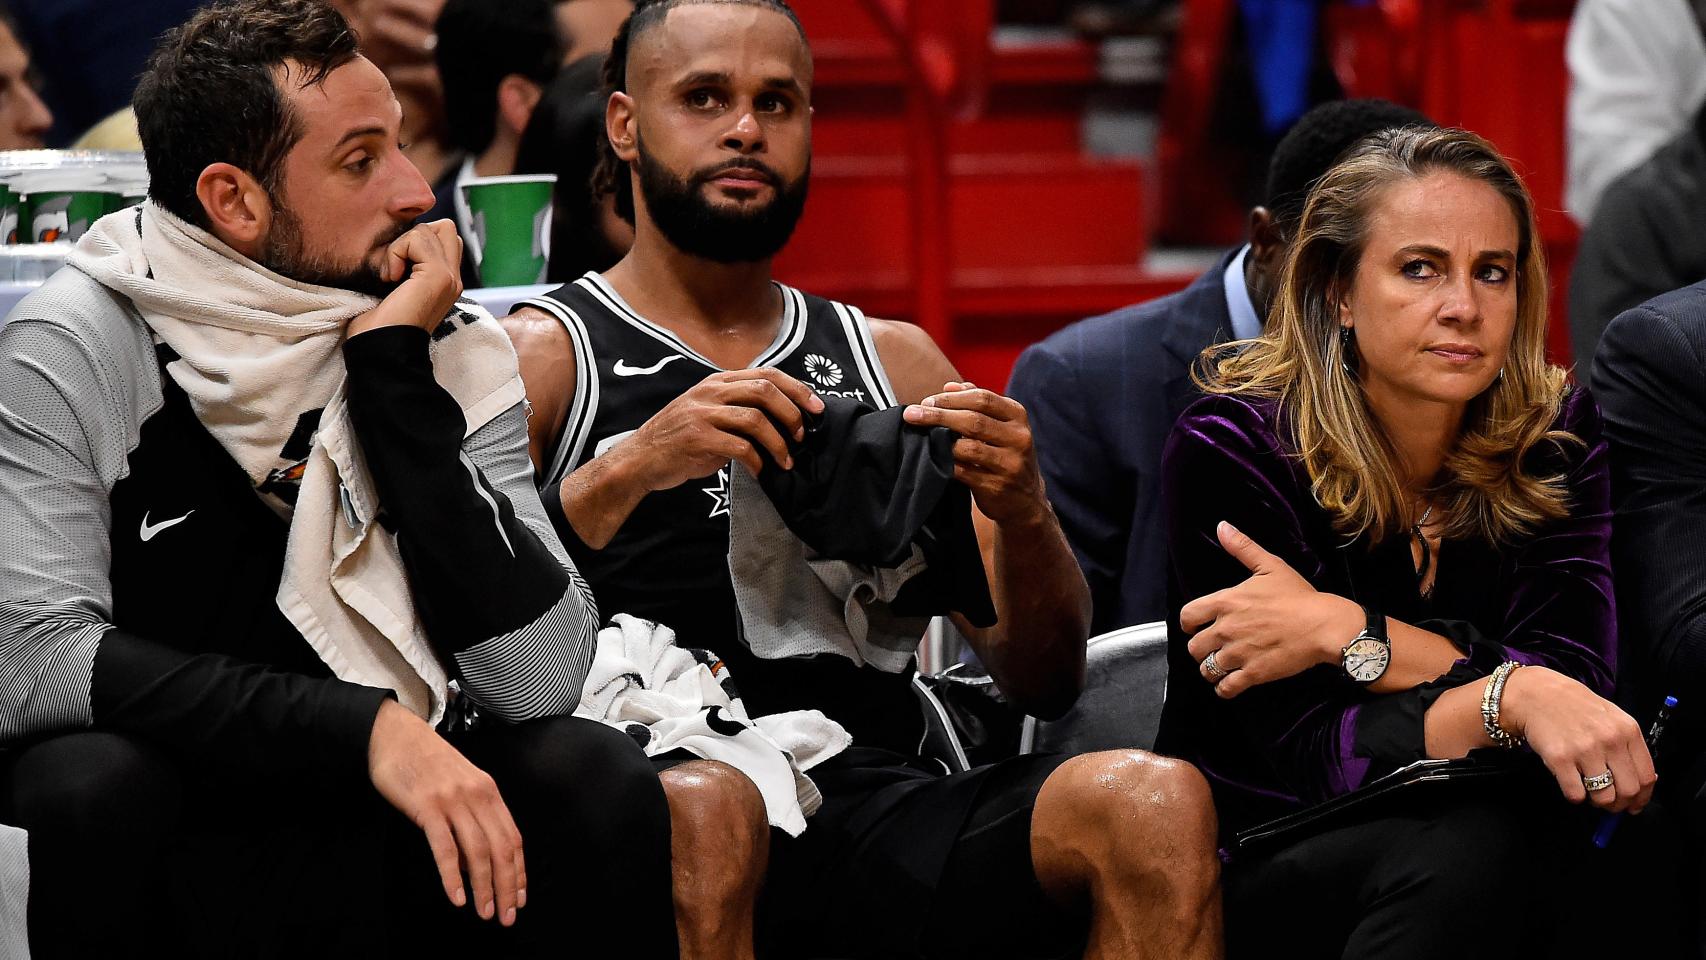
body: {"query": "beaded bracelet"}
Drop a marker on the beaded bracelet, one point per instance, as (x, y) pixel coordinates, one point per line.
(1491, 695)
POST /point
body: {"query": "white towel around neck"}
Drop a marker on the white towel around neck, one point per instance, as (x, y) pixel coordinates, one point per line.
(258, 350)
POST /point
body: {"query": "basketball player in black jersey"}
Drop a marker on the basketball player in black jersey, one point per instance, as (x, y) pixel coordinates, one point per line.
(649, 383)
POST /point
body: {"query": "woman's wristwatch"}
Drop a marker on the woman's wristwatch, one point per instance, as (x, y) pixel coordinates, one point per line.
(1366, 657)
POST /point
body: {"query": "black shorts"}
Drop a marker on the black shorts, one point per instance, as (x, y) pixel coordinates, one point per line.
(905, 861)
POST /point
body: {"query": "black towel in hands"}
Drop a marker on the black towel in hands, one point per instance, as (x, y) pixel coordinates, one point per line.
(867, 486)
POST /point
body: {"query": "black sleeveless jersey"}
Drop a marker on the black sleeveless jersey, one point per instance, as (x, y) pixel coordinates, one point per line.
(672, 554)
(669, 561)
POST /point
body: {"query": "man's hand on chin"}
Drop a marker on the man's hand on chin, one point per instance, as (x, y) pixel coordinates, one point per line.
(426, 262)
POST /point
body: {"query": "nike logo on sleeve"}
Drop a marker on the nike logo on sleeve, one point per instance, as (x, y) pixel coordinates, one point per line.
(148, 531)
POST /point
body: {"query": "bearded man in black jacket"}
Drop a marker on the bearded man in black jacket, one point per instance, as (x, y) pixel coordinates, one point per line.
(287, 646)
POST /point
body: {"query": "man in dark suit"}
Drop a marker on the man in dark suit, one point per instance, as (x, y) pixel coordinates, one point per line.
(1103, 393)
(1649, 377)
(1645, 239)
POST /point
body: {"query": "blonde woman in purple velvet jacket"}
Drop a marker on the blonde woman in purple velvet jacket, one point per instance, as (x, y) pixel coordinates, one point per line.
(1390, 533)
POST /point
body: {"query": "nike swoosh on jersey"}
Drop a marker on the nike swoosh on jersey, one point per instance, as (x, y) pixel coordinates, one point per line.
(148, 532)
(621, 369)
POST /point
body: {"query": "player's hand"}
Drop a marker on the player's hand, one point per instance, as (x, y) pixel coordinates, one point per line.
(994, 456)
(727, 416)
(456, 805)
(426, 262)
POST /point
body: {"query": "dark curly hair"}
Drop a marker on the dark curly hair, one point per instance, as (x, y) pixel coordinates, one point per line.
(209, 94)
(611, 176)
(480, 42)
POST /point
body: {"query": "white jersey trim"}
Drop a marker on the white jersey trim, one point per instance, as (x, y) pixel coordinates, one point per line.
(583, 407)
(797, 305)
(788, 335)
(858, 330)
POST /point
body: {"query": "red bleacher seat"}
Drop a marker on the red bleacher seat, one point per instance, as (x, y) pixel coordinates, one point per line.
(1037, 234)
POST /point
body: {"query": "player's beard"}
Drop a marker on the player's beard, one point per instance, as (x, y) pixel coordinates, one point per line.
(723, 234)
(285, 252)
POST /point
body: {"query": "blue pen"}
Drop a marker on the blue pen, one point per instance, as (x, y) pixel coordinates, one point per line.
(1608, 822)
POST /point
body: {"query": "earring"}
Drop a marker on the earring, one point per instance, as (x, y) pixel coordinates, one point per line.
(1345, 352)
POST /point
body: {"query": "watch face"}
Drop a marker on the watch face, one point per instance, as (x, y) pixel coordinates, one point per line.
(1365, 659)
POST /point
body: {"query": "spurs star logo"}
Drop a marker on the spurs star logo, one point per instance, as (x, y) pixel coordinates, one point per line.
(822, 369)
(719, 494)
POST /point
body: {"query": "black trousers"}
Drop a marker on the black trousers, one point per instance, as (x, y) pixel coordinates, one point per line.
(1463, 871)
(132, 850)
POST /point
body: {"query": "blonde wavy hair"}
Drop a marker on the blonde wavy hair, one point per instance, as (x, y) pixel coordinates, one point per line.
(1483, 489)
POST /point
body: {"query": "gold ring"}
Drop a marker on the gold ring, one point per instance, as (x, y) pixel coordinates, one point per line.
(1595, 784)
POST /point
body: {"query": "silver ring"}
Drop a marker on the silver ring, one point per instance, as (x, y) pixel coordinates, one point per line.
(1213, 668)
(1595, 784)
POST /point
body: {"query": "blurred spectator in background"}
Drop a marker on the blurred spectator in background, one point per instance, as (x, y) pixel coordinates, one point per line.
(397, 36)
(588, 26)
(89, 54)
(1281, 36)
(24, 119)
(494, 60)
(1103, 393)
(1103, 18)
(1637, 74)
(564, 138)
(496, 63)
(116, 132)
(1646, 239)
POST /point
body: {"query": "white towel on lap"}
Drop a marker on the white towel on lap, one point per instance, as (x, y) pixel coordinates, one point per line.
(642, 681)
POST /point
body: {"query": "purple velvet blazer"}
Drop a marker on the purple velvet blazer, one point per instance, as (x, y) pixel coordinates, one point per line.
(1280, 747)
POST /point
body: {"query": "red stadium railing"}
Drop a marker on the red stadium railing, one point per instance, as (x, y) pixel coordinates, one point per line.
(937, 76)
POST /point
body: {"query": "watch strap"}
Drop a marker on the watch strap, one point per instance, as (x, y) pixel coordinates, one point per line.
(1376, 627)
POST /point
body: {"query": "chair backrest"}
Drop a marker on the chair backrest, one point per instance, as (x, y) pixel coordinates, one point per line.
(1126, 681)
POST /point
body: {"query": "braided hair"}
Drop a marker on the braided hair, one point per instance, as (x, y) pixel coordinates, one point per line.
(611, 175)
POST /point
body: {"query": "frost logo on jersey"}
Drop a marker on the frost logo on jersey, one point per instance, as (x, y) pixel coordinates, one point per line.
(822, 369)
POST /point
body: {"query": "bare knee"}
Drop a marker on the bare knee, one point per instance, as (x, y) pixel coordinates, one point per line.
(717, 820)
(707, 791)
(1132, 786)
(1125, 811)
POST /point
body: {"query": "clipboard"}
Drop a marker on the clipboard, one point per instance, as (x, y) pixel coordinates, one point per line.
(1423, 775)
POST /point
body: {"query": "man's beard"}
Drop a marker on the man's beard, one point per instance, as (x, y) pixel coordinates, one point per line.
(723, 234)
(286, 254)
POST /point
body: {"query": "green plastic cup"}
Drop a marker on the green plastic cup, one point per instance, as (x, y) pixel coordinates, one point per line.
(9, 203)
(511, 219)
(65, 214)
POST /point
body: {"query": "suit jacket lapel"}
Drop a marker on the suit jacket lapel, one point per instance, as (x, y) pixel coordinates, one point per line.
(1200, 319)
